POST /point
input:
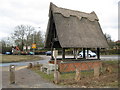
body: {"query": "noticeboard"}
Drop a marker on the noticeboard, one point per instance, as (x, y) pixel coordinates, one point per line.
(33, 45)
(24, 47)
(55, 53)
(28, 47)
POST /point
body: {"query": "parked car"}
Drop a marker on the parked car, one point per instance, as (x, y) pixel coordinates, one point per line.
(24, 53)
(31, 53)
(8, 53)
(48, 53)
(90, 53)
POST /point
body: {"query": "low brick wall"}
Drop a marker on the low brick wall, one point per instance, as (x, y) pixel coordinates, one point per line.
(52, 61)
(82, 65)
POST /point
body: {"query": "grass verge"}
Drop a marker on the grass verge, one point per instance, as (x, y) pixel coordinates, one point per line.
(18, 58)
(44, 75)
(88, 79)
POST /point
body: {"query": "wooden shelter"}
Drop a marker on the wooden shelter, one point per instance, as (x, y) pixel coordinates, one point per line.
(74, 29)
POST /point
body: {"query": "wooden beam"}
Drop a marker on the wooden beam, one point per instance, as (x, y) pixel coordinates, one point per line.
(84, 53)
(74, 53)
(63, 53)
(87, 53)
(98, 53)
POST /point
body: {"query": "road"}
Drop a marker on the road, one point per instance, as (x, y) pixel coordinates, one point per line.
(47, 58)
(110, 57)
(102, 57)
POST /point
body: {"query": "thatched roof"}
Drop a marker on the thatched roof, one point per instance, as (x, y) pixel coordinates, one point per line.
(74, 29)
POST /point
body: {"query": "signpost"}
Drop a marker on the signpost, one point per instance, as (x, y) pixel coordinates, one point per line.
(28, 47)
(34, 46)
(24, 47)
(56, 73)
(55, 54)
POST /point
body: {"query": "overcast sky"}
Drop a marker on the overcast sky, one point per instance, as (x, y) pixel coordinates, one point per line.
(35, 13)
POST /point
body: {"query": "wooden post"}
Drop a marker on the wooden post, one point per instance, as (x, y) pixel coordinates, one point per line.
(12, 74)
(96, 71)
(52, 51)
(30, 65)
(78, 74)
(56, 73)
(84, 53)
(98, 53)
(87, 53)
(74, 52)
(63, 53)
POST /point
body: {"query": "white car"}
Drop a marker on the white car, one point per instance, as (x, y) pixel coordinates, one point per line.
(90, 53)
(48, 53)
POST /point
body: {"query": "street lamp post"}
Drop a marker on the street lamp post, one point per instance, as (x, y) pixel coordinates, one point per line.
(33, 43)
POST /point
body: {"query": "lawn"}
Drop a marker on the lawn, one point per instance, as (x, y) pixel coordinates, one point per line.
(88, 80)
(18, 58)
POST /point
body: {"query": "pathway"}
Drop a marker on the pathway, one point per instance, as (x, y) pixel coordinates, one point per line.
(25, 78)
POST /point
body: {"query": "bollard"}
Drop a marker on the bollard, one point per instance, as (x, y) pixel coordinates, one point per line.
(30, 65)
(12, 74)
(78, 75)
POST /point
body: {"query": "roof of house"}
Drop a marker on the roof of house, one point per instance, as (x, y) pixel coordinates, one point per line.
(74, 29)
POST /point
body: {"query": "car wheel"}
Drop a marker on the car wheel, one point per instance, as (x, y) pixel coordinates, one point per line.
(89, 55)
(80, 55)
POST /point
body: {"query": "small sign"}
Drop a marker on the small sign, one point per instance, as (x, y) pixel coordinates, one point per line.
(33, 45)
(24, 47)
(12, 66)
(29, 47)
(55, 53)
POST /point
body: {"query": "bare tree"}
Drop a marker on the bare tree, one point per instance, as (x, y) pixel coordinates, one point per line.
(110, 41)
(108, 37)
(25, 35)
(21, 34)
(39, 40)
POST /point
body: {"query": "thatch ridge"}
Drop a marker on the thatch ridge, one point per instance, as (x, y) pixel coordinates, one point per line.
(67, 13)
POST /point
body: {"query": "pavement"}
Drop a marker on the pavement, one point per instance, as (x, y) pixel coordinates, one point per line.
(25, 78)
